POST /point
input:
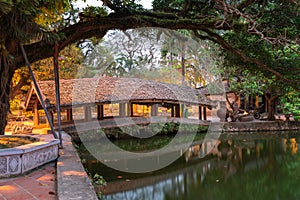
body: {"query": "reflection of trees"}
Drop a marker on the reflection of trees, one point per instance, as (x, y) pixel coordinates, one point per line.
(231, 154)
(248, 169)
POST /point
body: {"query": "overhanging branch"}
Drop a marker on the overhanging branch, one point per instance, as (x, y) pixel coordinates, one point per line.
(99, 27)
(218, 39)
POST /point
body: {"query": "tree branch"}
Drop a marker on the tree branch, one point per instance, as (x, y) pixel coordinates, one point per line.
(110, 5)
(99, 27)
(218, 39)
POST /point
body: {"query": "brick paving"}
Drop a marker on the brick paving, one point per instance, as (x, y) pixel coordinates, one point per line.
(40, 184)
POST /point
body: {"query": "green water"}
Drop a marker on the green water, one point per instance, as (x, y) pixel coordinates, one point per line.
(262, 166)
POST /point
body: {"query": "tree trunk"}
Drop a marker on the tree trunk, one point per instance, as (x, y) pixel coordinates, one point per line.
(16, 90)
(270, 110)
(233, 110)
(182, 68)
(270, 100)
(6, 73)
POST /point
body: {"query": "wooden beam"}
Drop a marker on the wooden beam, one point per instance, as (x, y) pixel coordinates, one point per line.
(57, 90)
(130, 109)
(38, 92)
(177, 110)
(154, 109)
(100, 111)
(204, 113)
(172, 111)
(36, 114)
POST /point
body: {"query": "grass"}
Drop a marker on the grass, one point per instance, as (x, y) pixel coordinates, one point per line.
(11, 142)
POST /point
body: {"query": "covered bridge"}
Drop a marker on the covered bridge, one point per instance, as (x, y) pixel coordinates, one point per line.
(104, 97)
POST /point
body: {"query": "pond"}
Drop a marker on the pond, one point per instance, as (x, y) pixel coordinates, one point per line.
(241, 166)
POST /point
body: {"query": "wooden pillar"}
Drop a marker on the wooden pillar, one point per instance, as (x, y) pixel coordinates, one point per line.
(177, 110)
(36, 114)
(154, 109)
(129, 109)
(204, 113)
(100, 111)
(122, 109)
(182, 107)
(172, 111)
(87, 113)
(69, 114)
(200, 112)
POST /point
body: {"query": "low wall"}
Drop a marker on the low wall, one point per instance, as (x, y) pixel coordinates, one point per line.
(256, 126)
(21, 159)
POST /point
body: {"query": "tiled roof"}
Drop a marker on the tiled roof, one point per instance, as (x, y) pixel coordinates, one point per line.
(108, 89)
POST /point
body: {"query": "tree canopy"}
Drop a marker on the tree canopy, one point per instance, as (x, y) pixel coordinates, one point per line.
(257, 35)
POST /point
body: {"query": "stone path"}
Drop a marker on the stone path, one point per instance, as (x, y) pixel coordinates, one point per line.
(72, 180)
(37, 185)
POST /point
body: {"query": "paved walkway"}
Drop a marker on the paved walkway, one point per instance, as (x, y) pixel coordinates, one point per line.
(40, 184)
(72, 180)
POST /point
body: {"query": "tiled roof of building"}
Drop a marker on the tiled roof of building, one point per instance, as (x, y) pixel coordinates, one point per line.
(108, 89)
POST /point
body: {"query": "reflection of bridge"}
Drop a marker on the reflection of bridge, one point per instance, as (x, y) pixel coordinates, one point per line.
(158, 181)
(199, 172)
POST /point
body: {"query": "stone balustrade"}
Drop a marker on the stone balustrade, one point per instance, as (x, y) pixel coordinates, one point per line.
(21, 159)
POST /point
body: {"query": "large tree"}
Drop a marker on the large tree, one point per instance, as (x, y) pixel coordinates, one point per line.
(275, 24)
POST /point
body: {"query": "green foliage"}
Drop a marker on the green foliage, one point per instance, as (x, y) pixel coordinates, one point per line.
(15, 104)
(27, 20)
(154, 143)
(5, 7)
(269, 49)
(70, 65)
(170, 128)
(92, 11)
(290, 103)
(99, 181)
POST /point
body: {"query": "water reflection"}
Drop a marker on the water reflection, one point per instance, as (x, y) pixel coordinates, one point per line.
(236, 168)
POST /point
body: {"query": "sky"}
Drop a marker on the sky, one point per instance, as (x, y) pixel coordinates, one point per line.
(145, 3)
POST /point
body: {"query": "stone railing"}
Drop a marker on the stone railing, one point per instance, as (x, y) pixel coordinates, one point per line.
(21, 159)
